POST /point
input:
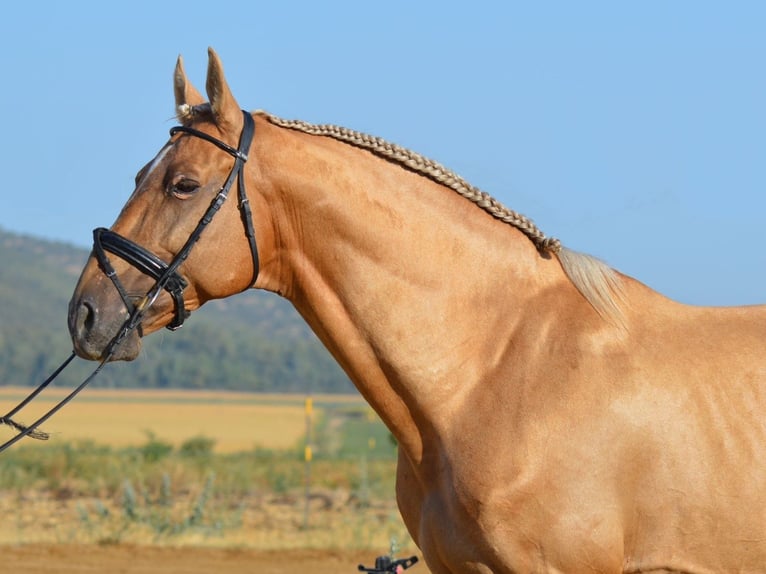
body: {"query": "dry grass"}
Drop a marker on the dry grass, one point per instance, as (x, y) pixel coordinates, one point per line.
(118, 418)
(263, 521)
(78, 495)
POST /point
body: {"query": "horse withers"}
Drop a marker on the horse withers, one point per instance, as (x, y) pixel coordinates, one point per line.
(552, 414)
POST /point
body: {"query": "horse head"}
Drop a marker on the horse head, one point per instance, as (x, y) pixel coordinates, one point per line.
(178, 241)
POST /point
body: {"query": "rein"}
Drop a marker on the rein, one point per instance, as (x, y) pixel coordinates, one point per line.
(165, 275)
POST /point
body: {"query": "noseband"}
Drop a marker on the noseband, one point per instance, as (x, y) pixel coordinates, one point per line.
(166, 275)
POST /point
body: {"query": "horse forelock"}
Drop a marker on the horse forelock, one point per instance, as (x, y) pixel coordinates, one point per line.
(597, 282)
(187, 113)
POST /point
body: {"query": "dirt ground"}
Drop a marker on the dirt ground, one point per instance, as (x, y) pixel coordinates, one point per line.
(126, 559)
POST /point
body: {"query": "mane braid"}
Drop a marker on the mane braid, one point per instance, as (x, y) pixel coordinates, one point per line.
(598, 283)
(430, 169)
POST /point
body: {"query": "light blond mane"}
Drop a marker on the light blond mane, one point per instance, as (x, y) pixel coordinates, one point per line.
(597, 282)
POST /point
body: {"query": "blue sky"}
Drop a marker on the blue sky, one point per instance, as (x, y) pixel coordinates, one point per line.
(632, 131)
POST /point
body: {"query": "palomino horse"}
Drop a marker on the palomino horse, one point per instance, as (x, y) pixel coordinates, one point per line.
(552, 414)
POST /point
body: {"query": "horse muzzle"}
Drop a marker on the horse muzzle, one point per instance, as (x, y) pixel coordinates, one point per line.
(103, 326)
(94, 322)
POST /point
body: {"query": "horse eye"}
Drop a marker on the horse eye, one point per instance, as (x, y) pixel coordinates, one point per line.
(183, 188)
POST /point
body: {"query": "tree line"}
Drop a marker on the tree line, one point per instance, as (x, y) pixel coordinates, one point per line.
(254, 341)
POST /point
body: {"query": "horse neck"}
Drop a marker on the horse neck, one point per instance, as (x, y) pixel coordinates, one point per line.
(408, 285)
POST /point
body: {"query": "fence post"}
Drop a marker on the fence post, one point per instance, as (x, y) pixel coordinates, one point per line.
(307, 456)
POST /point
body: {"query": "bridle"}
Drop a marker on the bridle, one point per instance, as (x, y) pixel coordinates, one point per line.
(166, 276)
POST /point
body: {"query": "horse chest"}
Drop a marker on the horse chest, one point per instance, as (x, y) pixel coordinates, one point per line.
(465, 520)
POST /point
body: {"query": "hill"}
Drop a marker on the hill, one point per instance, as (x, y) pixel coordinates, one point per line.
(254, 341)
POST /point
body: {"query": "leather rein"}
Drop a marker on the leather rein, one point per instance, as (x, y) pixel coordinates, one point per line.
(165, 275)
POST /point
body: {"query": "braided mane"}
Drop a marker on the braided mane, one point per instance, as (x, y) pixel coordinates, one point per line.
(597, 282)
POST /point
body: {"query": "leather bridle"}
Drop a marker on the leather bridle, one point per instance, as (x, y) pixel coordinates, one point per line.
(166, 275)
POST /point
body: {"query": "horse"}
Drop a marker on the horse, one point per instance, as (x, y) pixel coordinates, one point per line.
(552, 414)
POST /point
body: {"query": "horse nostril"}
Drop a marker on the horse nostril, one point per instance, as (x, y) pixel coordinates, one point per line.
(86, 318)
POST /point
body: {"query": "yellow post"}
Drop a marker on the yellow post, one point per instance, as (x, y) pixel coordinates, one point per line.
(307, 456)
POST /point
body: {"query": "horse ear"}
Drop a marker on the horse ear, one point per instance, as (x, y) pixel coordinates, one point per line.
(225, 108)
(187, 95)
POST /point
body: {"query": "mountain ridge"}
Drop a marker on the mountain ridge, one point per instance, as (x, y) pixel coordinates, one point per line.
(253, 341)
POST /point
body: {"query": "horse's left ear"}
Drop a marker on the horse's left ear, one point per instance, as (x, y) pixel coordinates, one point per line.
(225, 108)
(187, 95)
